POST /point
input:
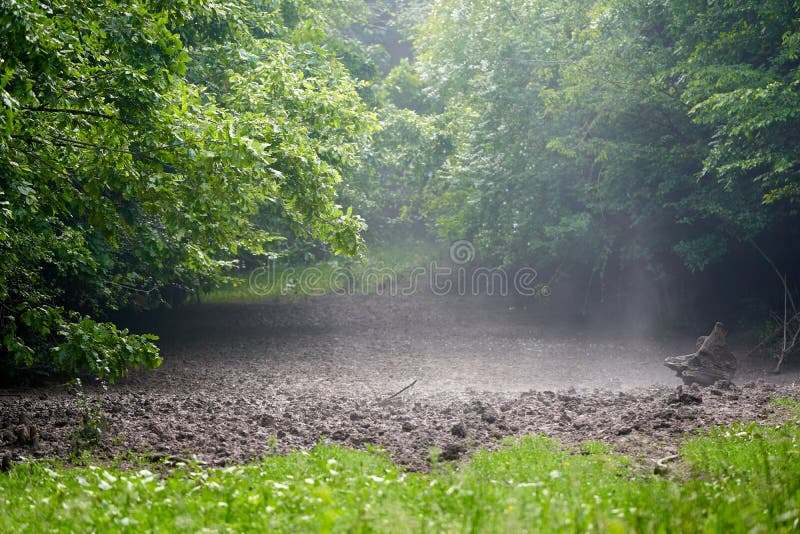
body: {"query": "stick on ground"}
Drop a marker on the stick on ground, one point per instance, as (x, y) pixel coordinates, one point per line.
(401, 391)
(662, 462)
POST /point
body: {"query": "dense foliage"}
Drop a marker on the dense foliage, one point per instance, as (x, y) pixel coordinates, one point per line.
(145, 146)
(619, 144)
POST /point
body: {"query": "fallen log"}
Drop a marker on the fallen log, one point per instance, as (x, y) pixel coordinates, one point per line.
(712, 361)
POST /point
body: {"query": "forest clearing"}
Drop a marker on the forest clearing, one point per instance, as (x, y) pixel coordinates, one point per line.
(399, 265)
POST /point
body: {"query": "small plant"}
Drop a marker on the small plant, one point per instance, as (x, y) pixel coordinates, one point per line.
(739, 478)
(792, 406)
(93, 423)
(434, 455)
(273, 445)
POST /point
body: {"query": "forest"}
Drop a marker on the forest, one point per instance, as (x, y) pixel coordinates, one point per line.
(640, 157)
(631, 151)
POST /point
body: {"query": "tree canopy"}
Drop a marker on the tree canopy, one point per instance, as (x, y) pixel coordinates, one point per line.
(145, 146)
(599, 138)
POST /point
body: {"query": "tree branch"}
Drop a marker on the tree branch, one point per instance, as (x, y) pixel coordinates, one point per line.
(777, 272)
(43, 109)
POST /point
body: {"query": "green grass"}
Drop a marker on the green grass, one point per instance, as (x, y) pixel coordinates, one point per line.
(281, 279)
(742, 478)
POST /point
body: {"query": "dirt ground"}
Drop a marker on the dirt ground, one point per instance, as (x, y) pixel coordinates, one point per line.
(242, 380)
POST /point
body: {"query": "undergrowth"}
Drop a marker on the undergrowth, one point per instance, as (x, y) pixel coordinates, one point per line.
(390, 263)
(740, 478)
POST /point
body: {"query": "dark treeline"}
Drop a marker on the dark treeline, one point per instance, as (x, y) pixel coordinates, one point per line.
(643, 156)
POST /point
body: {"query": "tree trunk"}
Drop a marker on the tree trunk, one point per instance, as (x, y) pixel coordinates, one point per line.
(713, 360)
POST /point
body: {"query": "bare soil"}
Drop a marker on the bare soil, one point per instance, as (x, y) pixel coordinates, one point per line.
(244, 380)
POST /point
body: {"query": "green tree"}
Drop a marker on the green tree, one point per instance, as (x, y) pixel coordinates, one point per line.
(140, 143)
(614, 139)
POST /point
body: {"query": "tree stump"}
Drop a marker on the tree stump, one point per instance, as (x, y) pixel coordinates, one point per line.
(713, 360)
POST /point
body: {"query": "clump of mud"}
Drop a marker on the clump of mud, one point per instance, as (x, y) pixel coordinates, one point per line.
(220, 430)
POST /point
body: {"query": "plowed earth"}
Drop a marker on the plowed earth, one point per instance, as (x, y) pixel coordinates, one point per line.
(243, 380)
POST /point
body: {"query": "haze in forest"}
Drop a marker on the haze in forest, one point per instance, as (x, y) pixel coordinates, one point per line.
(640, 157)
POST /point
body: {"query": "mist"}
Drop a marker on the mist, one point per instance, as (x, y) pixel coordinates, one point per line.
(243, 232)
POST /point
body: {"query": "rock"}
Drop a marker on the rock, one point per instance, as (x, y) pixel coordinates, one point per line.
(158, 430)
(8, 436)
(683, 397)
(570, 415)
(23, 434)
(713, 361)
(266, 420)
(724, 384)
(582, 421)
(459, 431)
(452, 451)
(488, 417)
(5, 463)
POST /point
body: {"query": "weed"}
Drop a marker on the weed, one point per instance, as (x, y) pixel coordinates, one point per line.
(93, 423)
(740, 478)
